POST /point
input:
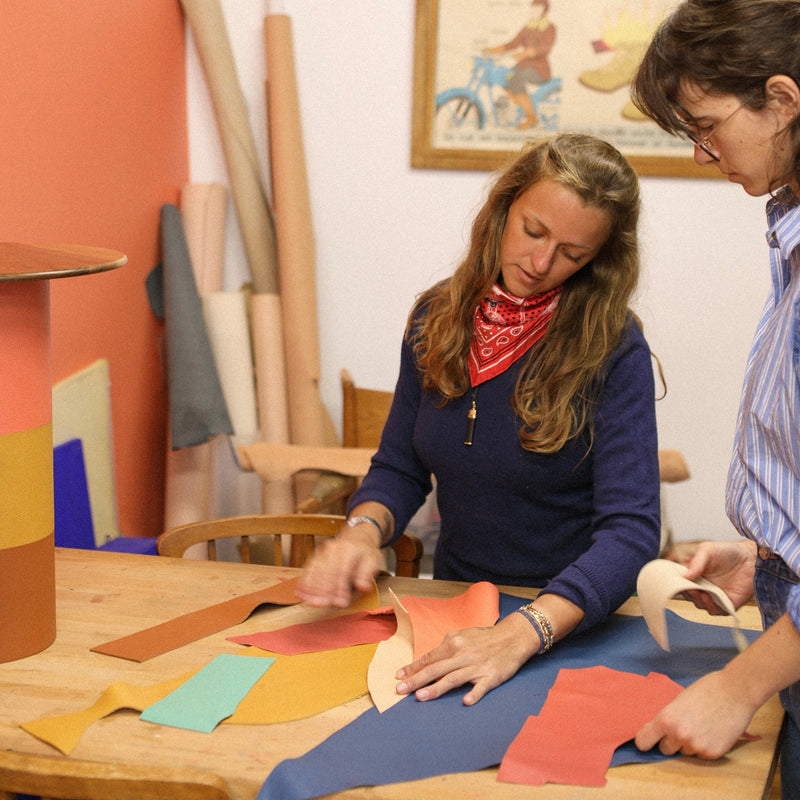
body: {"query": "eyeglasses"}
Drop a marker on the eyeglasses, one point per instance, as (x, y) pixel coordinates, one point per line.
(704, 141)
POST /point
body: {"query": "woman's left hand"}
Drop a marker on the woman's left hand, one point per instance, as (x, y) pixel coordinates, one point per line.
(484, 657)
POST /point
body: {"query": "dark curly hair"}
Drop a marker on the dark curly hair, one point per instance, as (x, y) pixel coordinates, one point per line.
(723, 47)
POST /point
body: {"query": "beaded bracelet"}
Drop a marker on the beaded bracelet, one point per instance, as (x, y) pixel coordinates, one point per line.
(535, 626)
(541, 624)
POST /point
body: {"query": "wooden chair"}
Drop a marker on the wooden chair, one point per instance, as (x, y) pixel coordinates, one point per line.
(72, 779)
(364, 413)
(303, 528)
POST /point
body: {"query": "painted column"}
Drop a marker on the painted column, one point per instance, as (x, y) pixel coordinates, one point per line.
(27, 552)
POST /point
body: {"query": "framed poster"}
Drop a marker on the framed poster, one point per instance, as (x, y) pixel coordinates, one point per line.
(489, 74)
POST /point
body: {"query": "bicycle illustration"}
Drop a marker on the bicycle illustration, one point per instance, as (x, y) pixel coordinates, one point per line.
(468, 107)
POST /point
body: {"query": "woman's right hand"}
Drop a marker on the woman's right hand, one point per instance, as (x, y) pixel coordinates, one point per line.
(341, 568)
(729, 565)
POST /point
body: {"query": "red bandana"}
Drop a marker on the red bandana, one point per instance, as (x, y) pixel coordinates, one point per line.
(506, 327)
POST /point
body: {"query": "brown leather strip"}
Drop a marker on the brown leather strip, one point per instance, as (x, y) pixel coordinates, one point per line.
(195, 625)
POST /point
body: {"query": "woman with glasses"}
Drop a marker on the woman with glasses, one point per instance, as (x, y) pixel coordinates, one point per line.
(526, 389)
(725, 74)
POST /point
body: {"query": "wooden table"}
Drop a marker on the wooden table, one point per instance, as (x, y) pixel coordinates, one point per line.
(102, 596)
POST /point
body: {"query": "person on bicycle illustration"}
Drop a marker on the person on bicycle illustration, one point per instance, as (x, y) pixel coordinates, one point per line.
(535, 40)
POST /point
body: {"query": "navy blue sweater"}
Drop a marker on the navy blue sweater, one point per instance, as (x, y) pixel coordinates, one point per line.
(578, 524)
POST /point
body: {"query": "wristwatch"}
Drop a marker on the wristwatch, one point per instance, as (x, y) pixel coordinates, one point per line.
(359, 518)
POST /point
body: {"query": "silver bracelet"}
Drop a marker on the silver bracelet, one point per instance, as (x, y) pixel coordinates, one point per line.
(359, 518)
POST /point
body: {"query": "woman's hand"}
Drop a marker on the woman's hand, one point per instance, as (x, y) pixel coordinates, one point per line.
(704, 720)
(729, 565)
(484, 657)
(708, 717)
(341, 569)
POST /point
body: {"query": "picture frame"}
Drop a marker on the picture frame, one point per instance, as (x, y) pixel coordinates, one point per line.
(463, 115)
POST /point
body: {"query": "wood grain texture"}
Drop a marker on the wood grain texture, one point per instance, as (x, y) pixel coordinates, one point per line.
(104, 595)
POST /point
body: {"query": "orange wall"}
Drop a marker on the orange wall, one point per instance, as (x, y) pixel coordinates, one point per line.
(92, 142)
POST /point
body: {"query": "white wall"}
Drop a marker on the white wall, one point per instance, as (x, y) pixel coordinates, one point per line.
(384, 231)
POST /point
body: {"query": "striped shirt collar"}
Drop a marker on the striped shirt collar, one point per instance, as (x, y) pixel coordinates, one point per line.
(783, 234)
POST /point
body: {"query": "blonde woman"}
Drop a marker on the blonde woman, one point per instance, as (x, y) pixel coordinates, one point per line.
(526, 388)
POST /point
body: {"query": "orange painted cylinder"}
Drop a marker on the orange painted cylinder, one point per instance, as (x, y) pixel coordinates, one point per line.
(27, 553)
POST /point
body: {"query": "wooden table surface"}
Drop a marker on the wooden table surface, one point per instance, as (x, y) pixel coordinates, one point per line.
(102, 596)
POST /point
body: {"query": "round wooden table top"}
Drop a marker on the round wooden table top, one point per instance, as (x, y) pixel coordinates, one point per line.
(20, 261)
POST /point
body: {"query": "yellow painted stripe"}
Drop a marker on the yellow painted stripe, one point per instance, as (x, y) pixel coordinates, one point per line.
(26, 486)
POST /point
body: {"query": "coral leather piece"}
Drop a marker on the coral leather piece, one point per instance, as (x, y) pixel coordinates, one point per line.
(360, 627)
(422, 623)
(432, 618)
(590, 711)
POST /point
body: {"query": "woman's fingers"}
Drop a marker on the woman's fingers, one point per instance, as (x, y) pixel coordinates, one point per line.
(338, 571)
(480, 656)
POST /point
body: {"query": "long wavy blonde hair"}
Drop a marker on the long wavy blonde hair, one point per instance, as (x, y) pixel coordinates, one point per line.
(563, 372)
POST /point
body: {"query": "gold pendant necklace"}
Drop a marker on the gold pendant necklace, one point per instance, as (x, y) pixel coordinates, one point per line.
(471, 415)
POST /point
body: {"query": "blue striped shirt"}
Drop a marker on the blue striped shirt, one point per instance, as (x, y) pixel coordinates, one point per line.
(763, 492)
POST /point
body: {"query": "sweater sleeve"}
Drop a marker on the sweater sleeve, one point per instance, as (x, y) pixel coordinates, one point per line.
(627, 508)
(396, 477)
